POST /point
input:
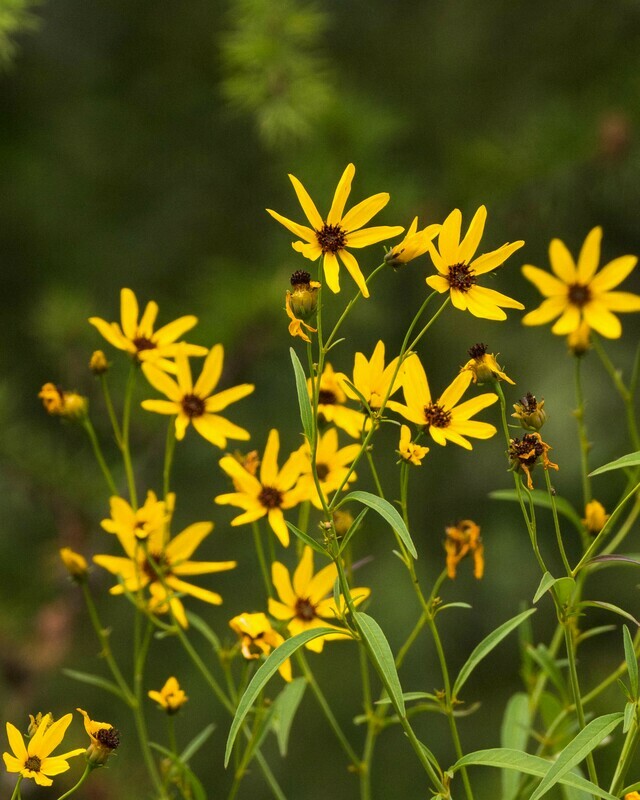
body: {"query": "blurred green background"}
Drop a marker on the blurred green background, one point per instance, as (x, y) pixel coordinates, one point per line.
(140, 144)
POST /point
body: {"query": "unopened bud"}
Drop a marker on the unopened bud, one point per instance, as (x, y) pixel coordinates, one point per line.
(75, 563)
(98, 363)
(530, 412)
(304, 295)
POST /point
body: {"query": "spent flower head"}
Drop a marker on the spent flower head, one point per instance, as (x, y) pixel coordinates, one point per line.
(459, 270)
(578, 293)
(105, 740)
(61, 403)
(528, 451)
(329, 238)
(464, 539)
(483, 366)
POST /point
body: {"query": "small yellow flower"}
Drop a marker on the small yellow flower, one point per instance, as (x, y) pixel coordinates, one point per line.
(332, 466)
(296, 326)
(150, 519)
(98, 363)
(408, 450)
(38, 720)
(464, 539)
(632, 796)
(484, 367)
(415, 244)
(332, 236)
(305, 603)
(34, 760)
(524, 454)
(595, 517)
(171, 697)
(195, 403)
(257, 638)
(577, 294)
(274, 492)
(332, 404)
(530, 412)
(60, 403)
(444, 419)
(459, 273)
(372, 379)
(579, 341)
(75, 563)
(138, 337)
(342, 521)
(105, 739)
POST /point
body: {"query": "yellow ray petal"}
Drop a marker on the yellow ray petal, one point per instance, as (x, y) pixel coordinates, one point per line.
(495, 258)
(473, 406)
(162, 382)
(279, 610)
(278, 525)
(363, 238)
(602, 320)
(299, 230)
(112, 333)
(174, 330)
(413, 414)
(12, 763)
(147, 321)
(438, 283)
(269, 465)
(302, 575)
(438, 261)
(205, 595)
(308, 206)
(16, 742)
(251, 515)
(361, 213)
(549, 309)
(474, 428)
(414, 383)
(282, 585)
(354, 270)
(51, 738)
(322, 583)
(211, 371)
(331, 272)
(128, 313)
(203, 567)
(456, 438)
(310, 250)
(246, 481)
(620, 301)
(221, 400)
(562, 262)
(161, 406)
(568, 322)
(212, 426)
(481, 308)
(455, 390)
(613, 273)
(340, 196)
(57, 765)
(547, 284)
(449, 238)
(469, 244)
(458, 299)
(589, 257)
(184, 544)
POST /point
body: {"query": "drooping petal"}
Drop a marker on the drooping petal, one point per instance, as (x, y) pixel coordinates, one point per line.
(361, 213)
(613, 273)
(184, 544)
(331, 272)
(547, 284)
(128, 313)
(354, 270)
(278, 525)
(469, 244)
(562, 262)
(341, 194)
(174, 330)
(162, 382)
(308, 206)
(598, 317)
(548, 310)
(302, 231)
(589, 257)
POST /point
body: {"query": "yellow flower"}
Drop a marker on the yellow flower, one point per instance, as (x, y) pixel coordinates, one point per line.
(408, 450)
(171, 697)
(577, 294)
(304, 297)
(104, 739)
(34, 760)
(372, 379)
(39, 719)
(524, 454)
(296, 325)
(195, 403)
(462, 539)
(331, 236)
(595, 517)
(332, 466)
(530, 411)
(459, 273)
(415, 244)
(305, 603)
(98, 363)
(60, 403)
(632, 796)
(444, 419)
(258, 637)
(144, 559)
(150, 519)
(268, 496)
(75, 563)
(484, 367)
(332, 404)
(138, 337)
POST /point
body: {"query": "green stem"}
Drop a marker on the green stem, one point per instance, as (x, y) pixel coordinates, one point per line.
(326, 709)
(626, 758)
(110, 410)
(257, 540)
(585, 445)
(556, 523)
(97, 450)
(169, 450)
(124, 441)
(74, 789)
(349, 306)
(16, 789)
(374, 473)
(623, 391)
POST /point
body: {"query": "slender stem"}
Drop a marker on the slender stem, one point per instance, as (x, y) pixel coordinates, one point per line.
(623, 391)
(626, 758)
(169, 450)
(257, 540)
(326, 709)
(124, 441)
(83, 778)
(624, 529)
(429, 324)
(110, 410)
(575, 688)
(16, 789)
(556, 523)
(348, 308)
(374, 473)
(97, 450)
(585, 445)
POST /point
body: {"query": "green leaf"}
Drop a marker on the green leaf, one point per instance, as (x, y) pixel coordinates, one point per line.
(505, 758)
(313, 544)
(359, 395)
(546, 583)
(571, 793)
(284, 711)
(304, 403)
(195, 785)
(514, 735)
(550, 666)
(265, 672)
(630, 460)
(632, 661)
(457, 604)
(382, 658)
(388, 513)
(409, 697)
(613, 559)
(196, 743)
(564, 587)
(353, 528)
(486, 646)
(542, 500)
(201, 626)
(577, 750)
(96, 680)
(611, 607)
(629, 716)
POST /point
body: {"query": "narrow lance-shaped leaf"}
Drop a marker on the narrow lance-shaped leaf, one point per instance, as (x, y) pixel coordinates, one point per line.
(382, 657)
(577, 750)
(610, 607)
(505, 758)
(632, 661)
(514, 735)
(542, 500)
(388, 513)
(284, 711)
(313, 544)
(95, 680)
(306, 412)
(266, 671)
(625, 462)
(486, 646)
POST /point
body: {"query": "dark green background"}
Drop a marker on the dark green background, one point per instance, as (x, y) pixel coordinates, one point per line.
(140, 144)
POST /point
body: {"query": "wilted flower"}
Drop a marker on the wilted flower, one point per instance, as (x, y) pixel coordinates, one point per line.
(483, 366)
(464, 539)
(525, 453)
(530, 412)
(60, 403)
(105, 739)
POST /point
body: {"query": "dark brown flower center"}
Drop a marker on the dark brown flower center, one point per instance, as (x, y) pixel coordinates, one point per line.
(305, 609)
(270, 497)
(478, 350)
(142, 343)
(529, 402)
(33, 763)
(326, 397)
(193, 406)
(579, 295)
(161, 564)
(108, 737)
(461, 277)
(331, 238)
(300, 278)
(437, 416)
(322, 470)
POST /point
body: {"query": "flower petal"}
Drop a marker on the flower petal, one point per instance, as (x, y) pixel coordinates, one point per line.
(449, 238)
(545, 283)
(185, 543)
(373, 235)
(147, 321)
(589, 257)
(112, 333)
(354, 270)
(455, 390)
(568, 322)
(472, 406)
(161, 406)
(304, 572)
(310, 250)
(469, 244)
(278, 525)
(16, 742)
(438, 283)
(247, 482)
(282, 584)
(162, 382)
(174, 330)
(269, 465)
(221, 400)
(548, 310)
(602, 320)
(562, 262)
(613, 273)
(414, 384)
(205, 595)
(128, 313)
(322, 583)
(203, 567)
(331, 272)
(299, 230)
(51, 738)
(620, 301)
(308, 206)
(341, 194)
(279, 610)
(495, 258)
(364, 211)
